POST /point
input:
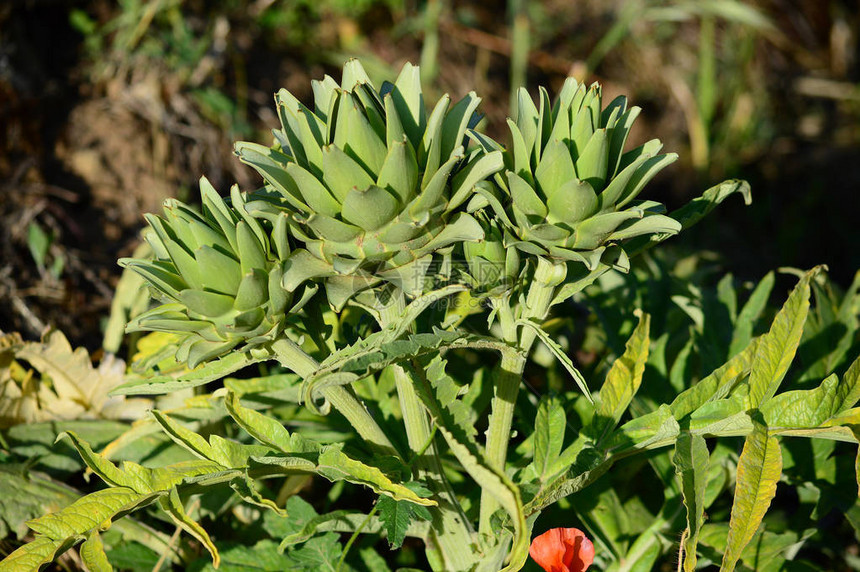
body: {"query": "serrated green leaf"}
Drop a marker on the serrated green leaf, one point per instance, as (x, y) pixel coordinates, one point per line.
(210, 371)
(463, 183)
(93, 554)
(299, 512)
(398, 515)
(759, 469)
(802, 408)
(266, 429)
(691, 465)
(89, 512)
(716, 385)
(319, 553)
(335, 465)
(183, 436)
(656, 429)
(621, 382)
(246, 488)
(776, 349)
(560, 355)
(848, 391)
(145, 480)
(549, 434)
(263, 556)
(172, 504)
(31, 556)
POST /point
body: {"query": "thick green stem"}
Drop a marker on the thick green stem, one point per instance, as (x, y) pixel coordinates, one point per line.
(341, 398)
(547, 276)
(450, 533)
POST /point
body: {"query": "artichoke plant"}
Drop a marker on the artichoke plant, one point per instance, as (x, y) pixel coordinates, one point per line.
(219, 275)
(372, 182)
(572, 186)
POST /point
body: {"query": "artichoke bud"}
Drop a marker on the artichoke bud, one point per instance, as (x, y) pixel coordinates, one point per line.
(372, 180)
(490, 263)
(219, 273)
(573, 187)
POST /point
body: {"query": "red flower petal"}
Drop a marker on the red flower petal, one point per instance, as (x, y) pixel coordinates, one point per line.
(562, 550)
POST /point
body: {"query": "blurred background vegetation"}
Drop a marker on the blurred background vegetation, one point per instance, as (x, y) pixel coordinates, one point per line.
(106, 108)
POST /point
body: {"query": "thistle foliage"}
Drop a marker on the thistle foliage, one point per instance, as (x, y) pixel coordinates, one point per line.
(372, 180)
(572, 187)
(218, 275)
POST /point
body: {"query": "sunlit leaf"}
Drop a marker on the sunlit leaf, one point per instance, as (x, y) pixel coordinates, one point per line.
(759, 469)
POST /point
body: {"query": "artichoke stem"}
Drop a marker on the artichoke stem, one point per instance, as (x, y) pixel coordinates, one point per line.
(547, 276)
(291, 356)
(451, 532)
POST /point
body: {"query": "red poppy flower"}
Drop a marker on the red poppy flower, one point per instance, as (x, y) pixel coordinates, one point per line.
(562, 550)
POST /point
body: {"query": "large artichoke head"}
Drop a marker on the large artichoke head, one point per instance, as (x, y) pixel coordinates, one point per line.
(372, 181)
(573, 187)
(218, 275)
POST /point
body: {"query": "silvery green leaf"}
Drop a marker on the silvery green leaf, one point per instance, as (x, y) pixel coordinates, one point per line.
(431, 194)
(463, 183)
(333, 229)
(342, 174)
(522, 154)
(582, 128)
(353, 73)
(456, 122)
(202, 351)
(527, 120)
(409, 277)
(185, 263)
(317, 199)
(592, 163)
(430, 151)
(209, 304)
(590, 258)
(374, 109)
(562, 117)
(461, 228)
(653, 224)
(369, 208)
(643, 175)
(394, 130)
(250, 251)
(302, 266)
(280, 237)
(323, 94)
(544, 125)
(570, 202)
(650, 148)
(595, 230)
(399, 172)
(524, 197)
(409, 102)
(253, 290)
(547, 234)
(222, 272)
(238, 200)
(555, 168)
(617, 187)
(275, 170)
(611, 114)
(165, 281)
(361, 141)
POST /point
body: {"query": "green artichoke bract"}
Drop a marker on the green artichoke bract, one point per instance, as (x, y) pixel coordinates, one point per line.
(219, 275)
(371, 180)
(572, 186)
